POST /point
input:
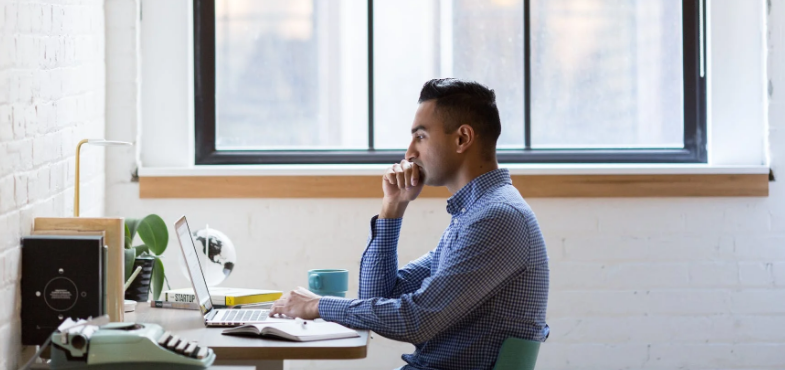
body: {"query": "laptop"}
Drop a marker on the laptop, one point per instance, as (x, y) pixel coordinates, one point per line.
(212, 315)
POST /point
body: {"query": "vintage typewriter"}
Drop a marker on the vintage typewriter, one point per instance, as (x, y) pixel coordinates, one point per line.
(125, 346)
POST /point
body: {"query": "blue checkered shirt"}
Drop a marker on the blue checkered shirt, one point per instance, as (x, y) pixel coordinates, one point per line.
(486, 280)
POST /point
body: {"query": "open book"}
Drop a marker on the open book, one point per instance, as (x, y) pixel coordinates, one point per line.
(300, 331)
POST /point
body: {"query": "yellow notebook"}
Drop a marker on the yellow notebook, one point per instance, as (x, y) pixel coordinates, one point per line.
(225, 296)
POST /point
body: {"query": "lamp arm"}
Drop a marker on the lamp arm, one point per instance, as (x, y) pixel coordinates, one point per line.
(76, 179)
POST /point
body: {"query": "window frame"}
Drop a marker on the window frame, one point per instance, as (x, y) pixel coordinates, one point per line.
(695, 108)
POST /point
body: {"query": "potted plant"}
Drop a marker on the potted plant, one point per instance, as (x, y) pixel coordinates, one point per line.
(154, 234)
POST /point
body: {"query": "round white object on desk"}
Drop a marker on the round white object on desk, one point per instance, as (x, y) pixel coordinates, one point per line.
(130, 306)
(217, 255)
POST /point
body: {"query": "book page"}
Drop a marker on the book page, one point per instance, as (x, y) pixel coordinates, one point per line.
(310, 331)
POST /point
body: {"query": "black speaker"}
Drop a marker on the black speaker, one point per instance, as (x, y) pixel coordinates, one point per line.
(62, 276)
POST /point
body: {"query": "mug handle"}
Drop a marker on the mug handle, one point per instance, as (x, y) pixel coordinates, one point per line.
(315, 281)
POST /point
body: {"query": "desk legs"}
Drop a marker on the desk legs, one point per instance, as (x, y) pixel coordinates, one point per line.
(260, 364)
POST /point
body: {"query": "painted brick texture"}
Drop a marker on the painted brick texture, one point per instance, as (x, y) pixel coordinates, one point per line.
(51, 96)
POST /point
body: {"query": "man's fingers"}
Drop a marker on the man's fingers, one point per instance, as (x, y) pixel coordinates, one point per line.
(404, 175)
(280, 306)
(391, 176)
(399, 177)
(401, 180)
(396, 175)
(276, 309)
(407, 173)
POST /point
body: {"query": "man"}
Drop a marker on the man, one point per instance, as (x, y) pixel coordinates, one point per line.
(487, 280)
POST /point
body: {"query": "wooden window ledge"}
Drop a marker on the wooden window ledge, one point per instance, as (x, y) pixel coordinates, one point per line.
(160, 183)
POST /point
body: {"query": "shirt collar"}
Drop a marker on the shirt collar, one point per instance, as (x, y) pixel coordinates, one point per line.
(475, 189)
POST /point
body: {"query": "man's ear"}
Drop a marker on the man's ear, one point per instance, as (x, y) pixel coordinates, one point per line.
(465, 138)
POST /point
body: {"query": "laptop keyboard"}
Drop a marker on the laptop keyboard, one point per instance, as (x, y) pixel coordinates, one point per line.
(245, 315)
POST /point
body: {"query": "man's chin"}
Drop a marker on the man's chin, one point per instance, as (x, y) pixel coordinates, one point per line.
(427, 180)
(423, 175)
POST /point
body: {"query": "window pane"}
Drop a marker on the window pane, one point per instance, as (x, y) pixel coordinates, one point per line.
(607, 73)
(291, 74)
(417, 40)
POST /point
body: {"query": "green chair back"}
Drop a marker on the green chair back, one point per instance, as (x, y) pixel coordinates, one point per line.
(517, 354)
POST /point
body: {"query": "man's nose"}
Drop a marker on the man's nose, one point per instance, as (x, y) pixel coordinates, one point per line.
(411, 153)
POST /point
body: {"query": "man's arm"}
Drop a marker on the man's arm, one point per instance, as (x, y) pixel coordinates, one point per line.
(489, 252)
(401, 184)
(379, 274)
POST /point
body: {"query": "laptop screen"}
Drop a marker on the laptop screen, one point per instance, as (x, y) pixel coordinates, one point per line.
(194, 268)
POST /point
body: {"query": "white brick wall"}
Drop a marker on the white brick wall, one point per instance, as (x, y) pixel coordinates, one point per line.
(51, 96)
(636, 283)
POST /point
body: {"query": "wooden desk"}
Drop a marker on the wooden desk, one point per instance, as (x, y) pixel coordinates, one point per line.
(141, 367)
(236, 350)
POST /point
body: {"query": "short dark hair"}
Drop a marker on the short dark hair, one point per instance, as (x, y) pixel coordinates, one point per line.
(461, 102)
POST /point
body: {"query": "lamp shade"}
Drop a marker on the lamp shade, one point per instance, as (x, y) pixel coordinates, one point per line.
(102, 142)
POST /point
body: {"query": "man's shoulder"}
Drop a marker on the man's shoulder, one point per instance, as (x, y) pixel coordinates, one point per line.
(496, 212)
(502, 201)
(495, 221)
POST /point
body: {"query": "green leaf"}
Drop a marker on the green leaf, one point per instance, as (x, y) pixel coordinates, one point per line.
(158, 278)
(141, 248)
(131, 224)
(130, 256)
(152, 229)
(127, 237)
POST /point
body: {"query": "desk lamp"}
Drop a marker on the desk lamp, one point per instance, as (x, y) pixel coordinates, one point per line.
(100, 142)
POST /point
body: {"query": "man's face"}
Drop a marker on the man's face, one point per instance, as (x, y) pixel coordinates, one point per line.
(432, 149)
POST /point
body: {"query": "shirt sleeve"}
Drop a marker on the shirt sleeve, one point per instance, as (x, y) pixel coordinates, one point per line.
(379, 273)
(486, 253)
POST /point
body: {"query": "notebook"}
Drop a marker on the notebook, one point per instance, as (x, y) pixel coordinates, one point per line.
(297, 330)
(225, 296)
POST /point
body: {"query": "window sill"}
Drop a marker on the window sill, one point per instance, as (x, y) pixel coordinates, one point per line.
(533, 181)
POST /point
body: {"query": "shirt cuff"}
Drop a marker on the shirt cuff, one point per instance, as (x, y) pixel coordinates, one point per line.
(384, 233)
(334, 308)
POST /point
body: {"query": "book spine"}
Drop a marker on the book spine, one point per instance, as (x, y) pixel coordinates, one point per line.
(179, 305)
(180, 297)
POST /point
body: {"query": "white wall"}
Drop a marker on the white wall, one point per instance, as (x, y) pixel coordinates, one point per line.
(51, 96)
(636, 283)
(123, 93)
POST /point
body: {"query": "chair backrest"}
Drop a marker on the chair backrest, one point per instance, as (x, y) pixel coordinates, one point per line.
(517, 354)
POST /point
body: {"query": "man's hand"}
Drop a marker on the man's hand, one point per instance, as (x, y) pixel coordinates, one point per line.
(300, 303)
(401, 184)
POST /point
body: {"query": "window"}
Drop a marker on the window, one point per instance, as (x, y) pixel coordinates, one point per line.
(336, 81)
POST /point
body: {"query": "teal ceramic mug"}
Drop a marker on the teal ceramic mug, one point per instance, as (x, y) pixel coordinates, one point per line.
(332, 282)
